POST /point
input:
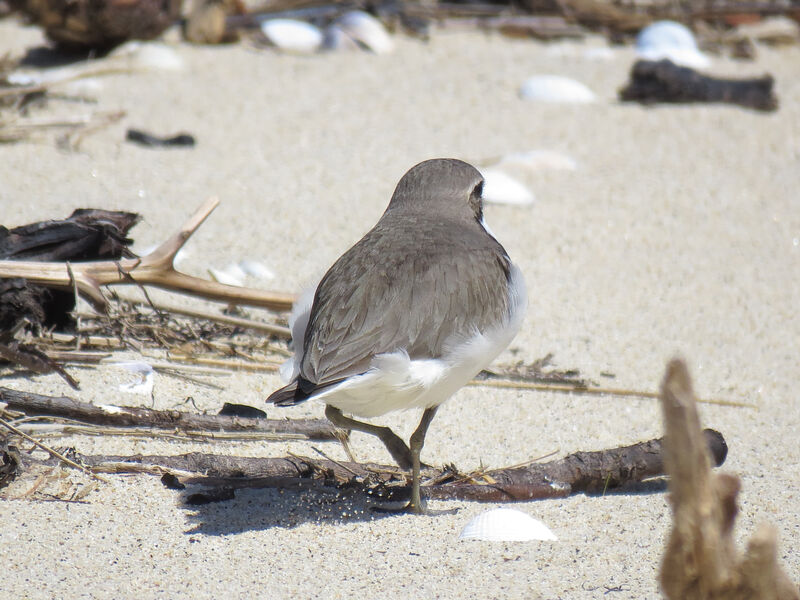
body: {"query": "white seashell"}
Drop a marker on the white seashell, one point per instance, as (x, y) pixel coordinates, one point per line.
(539, 160)
(555, 88)
(146, 379)
(232, 274)
(506, 525)
(500, 188)
(148, 56)
(366, 30)
(256, 269)
(670, 40)
(291, 35)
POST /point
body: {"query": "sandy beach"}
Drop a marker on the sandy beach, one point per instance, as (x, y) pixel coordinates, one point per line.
(677, 234)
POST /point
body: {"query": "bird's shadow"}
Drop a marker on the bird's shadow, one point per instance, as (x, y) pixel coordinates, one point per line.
(267, 508)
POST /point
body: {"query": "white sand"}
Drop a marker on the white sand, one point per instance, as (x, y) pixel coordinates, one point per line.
(678, 233)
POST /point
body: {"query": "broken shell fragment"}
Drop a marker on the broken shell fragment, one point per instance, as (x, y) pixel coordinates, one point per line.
(506, 525)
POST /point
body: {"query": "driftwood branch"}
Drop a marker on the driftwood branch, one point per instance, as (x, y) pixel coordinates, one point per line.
(663, 81)
(155, 269)
(589, 472)
(701, 561)
(124, 416)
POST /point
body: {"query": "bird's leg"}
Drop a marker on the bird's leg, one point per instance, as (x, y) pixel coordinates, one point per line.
(396, 446)
(417, 440)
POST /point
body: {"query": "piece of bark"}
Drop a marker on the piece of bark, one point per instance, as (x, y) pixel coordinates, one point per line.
(701, 561)
(125, 416)
(587, 472)
(100, 24)
(87, 234)
(662, 81)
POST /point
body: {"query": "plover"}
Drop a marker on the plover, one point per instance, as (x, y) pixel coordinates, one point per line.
(408, 315)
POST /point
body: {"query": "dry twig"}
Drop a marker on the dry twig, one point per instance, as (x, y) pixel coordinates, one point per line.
(155, 269)
(127, 416)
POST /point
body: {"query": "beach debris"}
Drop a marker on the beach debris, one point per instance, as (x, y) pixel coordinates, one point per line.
(538, 160)
(672, 41)
(701, 561)
(256, 269)
(367, 31)
(151, 141)
(662, 81)
(506, 525)
(10, 462)
(582, 472)
(206, 22)
(87, 234)
(100, 24)
(146, 56)
(232, 274)
(146, 380)
(156, 269)
(232, 409)
(172, 420)
(500, 188)
(291, 35)
(556, 89)
(31, 358)
(774, 31)
(336, 39)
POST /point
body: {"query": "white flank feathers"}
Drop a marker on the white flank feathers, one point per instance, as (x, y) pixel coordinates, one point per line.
(555, 88)
(291, 35)
(673, 41)
(499, 188)
(506, 525)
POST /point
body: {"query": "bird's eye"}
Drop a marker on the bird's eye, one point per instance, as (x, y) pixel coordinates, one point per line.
(478, 191)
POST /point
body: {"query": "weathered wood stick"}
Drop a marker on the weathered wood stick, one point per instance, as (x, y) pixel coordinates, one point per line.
(589, 472)
(663, 81)
(155, 269)
(701, 561)
(124, 416)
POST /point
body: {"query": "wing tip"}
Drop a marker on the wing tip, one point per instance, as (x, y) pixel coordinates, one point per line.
(286, 396)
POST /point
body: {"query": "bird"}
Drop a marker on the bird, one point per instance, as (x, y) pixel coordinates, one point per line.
(409, 314)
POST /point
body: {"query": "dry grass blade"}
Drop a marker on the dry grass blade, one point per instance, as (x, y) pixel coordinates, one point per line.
(594, 391)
